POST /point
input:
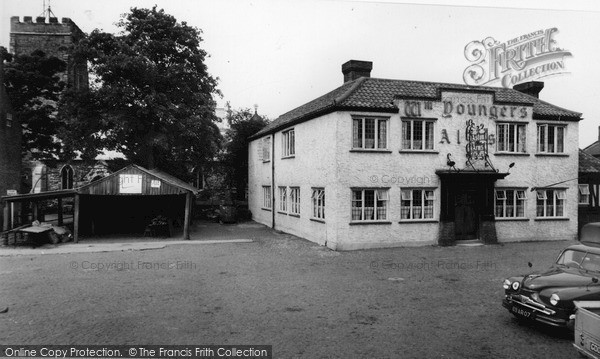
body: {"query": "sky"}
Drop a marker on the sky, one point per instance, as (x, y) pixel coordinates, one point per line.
(280, 54)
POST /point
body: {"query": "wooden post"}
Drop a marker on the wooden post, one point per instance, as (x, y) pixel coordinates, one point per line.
(76, 219)
(186, 221)
(60, 212)
(6, 216)
(34, 211)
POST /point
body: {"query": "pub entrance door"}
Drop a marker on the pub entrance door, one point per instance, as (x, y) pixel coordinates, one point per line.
(466, 218)
(467, 205)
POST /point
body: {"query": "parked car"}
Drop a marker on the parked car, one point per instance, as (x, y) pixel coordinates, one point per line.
(547, 297)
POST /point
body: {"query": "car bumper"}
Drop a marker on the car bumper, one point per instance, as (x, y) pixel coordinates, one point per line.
(536, 313)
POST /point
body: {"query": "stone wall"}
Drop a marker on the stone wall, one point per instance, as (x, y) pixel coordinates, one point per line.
(53, 38)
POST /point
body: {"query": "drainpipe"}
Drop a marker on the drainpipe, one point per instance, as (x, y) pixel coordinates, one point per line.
(273, 179)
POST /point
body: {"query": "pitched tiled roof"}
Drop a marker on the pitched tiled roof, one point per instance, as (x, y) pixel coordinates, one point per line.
(378, 95)
(593, 149)
(588, 163)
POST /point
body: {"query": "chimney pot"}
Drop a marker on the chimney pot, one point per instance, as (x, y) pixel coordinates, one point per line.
(355, 69)
(531, 88)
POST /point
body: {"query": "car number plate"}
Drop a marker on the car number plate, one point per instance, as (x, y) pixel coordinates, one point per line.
(522, 312)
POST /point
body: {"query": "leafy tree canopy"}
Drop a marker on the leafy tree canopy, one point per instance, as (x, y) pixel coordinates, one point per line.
(152, 96)
(242, 124)
(33, 86)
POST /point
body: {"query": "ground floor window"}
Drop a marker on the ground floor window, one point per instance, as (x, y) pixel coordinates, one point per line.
(416, 203)
(295, 200)
(267, 197)
(318, 203)
(510, 203)
(283, 199)
(551, 202)
(584, 194)
(369, 204)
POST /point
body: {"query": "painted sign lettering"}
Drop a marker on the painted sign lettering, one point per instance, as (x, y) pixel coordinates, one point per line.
(412, 108)
(493, 112)
(491, 138)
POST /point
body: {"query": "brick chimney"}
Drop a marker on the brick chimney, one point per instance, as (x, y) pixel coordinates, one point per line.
(531, 88)
(355, 69)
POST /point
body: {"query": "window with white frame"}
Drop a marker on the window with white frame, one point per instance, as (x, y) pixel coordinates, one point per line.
(584, 194)
(288, 143)
(282, 199)
(267, 202)
(551, 138)
(417, 134)
(266, 149)
(318, 203)
(416, 203)
(9, 120)
(511, 137)
(369, 204)
(510, 203)
(551, 202)
(369, 133)
(294, 200)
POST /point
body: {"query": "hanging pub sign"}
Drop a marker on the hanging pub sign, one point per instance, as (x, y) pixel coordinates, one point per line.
(130, 183)
(477, 141)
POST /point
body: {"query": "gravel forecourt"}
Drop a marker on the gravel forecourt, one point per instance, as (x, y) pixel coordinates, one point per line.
(303, 299)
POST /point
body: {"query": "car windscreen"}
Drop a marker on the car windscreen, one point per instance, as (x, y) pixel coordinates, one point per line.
(579, 259)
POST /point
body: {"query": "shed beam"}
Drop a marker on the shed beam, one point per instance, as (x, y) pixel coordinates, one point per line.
(6, 216)
(186, 221)
(60, 211)
(76, 219)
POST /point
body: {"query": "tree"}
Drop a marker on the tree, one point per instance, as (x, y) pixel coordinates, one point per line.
(34, 87)
(243, 124)
(152, 97)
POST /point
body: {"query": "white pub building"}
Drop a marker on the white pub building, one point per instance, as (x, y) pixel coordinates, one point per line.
(383, 163)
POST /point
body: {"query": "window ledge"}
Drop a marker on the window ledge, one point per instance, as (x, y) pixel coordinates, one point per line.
(294, 215)
(509, 219)
(369, 222)
(375, 150)
(267, 161)
(419, 221)
(552, 219)
(279, 212)
(287, 157)
(266, 209)
(511, 154)
(420, 151)
(552, 154)
(318, 220)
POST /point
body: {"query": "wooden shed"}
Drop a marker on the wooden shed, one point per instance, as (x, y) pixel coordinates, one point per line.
(129, 199)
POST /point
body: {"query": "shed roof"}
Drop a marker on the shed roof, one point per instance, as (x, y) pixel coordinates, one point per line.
(92, 188)
(378, 95)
